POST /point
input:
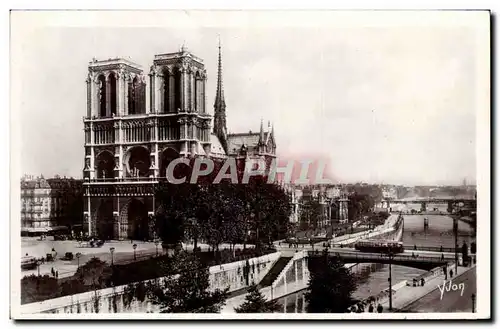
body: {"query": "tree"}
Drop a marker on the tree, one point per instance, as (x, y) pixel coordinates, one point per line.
(37, 288)
(72, 287)
(187, 292)
(311, 213)
(330, 286)
(95, 273)
(465, 253)
(256, 303)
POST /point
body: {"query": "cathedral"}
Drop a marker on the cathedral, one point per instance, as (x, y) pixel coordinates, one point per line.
(135, 126)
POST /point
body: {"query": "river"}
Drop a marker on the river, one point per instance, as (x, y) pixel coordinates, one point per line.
(373, 278)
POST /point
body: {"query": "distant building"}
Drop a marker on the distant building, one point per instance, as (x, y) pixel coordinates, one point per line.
(390, 193)
(48, 204)
(332, 200)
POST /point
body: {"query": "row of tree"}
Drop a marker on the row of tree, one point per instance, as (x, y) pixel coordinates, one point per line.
(222, 212)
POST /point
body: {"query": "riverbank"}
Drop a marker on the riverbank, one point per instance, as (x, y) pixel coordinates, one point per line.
(407, 294)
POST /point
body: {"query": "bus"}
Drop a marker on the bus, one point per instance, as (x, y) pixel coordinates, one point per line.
(28, 262)
(384, 246)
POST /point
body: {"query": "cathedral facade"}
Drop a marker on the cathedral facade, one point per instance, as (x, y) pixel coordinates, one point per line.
(136, 125)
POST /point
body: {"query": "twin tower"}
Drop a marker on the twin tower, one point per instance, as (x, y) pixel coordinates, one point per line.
(136, 125)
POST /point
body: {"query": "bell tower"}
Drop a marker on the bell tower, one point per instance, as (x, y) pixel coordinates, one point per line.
(177, 83)
(120, 152)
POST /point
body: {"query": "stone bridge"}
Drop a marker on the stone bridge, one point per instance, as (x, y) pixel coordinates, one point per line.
(426, 262)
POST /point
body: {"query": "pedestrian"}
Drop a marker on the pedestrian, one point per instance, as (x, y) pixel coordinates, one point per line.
(451, 274)
(53, 272)
(57, 274)
(442, 256)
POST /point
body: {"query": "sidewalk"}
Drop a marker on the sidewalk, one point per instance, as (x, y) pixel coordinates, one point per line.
(409, 294)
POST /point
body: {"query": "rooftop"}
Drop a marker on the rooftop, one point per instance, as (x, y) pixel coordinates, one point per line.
(114, 62)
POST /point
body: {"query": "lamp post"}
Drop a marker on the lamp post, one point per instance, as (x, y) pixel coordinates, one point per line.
(78, 255)
(390, 280)
(112, 250)
(135, 247)
(455, 231)
(156, 244)
(473, 297)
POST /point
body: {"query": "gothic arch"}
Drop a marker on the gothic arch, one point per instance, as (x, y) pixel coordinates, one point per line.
(112, 92)
(134, 220)
(166, 91)
(137, 161)
(104, 219)
(105, 164)
(101, 79)
(167, 155)
(177, 88)
(132, 95)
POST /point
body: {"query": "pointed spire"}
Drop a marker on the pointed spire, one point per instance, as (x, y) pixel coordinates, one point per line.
(261, 137)
(220, 129)
(220, 89)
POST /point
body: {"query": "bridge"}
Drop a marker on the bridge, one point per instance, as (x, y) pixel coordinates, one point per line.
(451, 201)
(424, 258)
(426, 261)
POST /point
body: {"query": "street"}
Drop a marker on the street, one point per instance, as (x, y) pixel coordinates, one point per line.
(452, 300)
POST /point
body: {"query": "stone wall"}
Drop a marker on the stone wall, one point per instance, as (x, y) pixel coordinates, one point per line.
(114, 300)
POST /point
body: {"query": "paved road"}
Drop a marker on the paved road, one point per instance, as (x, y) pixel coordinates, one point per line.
(452, 301)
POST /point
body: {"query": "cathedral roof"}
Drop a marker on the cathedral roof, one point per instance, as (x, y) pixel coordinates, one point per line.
(250, 140)
(216, 147)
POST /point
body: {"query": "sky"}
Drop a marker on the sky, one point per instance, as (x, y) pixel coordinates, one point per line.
(391, 104)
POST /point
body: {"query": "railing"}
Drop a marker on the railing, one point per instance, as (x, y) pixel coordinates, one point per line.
(436, 249)
(358, 256)
(121, 179)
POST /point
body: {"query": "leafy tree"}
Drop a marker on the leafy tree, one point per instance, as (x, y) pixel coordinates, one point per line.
(187, 292)
(330, 286)
(256, 303)
(223, 212)
(72, 287)
(465, 252)
(37, 288)
(95, 273)
(310, 213)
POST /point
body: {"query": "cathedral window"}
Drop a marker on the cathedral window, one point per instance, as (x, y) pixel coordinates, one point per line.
(102, 95)
(178, 89)
(112, 93)
(166, 92)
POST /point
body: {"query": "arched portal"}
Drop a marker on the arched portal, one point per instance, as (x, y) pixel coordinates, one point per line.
(138, 162)
(137, 220)
(104, 229)
(167, 156)
(102, 95)
(105, 163)
(112, 93)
